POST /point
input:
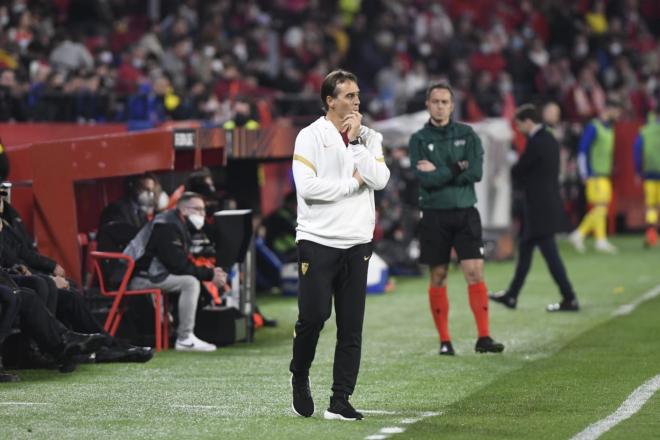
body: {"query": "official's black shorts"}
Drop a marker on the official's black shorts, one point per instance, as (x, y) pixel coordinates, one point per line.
(442, 229)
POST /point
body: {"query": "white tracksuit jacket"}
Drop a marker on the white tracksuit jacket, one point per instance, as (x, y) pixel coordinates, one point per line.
(332, 209)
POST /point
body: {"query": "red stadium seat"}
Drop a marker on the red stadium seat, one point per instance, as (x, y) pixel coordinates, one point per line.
(115, 314)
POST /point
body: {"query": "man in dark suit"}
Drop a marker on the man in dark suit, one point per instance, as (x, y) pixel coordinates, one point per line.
(537, 174)
(137, 204)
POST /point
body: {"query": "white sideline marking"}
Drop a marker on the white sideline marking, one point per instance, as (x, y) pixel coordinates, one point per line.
(392, 430)
(377, 411)
(628, 408)
(24, 403)
(386, 432)
(196, 406)
(628, 308)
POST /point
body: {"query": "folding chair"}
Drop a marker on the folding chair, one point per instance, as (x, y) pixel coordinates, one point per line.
(115, 314)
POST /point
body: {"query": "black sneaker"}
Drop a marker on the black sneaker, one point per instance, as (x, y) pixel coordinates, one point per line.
(487, 345)
(302, 404)
(80, 343)
(564, 306)
(446, 349)
(269, 322)
(124, 354)
(68, 366)
(503, 298)
(341, 409)
(8, 377)
(5, 376)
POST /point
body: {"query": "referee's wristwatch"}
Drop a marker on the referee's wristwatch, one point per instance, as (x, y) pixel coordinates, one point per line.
(356, 141)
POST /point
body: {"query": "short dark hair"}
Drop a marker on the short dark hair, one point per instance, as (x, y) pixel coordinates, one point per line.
(528, 111)
(442, 86)
(133, 184)
(187, 196)
(197, 182)
(330, 82)
(199, 175)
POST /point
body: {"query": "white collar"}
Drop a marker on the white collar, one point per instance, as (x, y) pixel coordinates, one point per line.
(535, 130)
(327, 123)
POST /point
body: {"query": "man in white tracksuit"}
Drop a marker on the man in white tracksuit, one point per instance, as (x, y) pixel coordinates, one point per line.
(337, 165)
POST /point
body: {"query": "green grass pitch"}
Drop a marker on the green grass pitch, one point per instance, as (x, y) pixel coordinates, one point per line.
(558, 374)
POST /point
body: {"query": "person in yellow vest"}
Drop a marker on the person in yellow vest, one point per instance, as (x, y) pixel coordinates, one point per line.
(242, 110)
(647, 164)
(595, 159)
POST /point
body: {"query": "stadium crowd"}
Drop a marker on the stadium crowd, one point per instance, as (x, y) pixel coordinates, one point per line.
(79, 60)
(147, 62)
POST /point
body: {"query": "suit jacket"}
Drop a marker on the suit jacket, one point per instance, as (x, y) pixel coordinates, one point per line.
(11, 216)
(13, 251)
(537, 174)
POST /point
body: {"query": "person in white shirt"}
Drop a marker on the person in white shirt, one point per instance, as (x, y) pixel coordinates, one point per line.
(337, 166)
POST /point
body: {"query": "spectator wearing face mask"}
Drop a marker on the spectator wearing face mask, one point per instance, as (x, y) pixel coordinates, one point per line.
(136, 206)
(162, 253)
(242, 116)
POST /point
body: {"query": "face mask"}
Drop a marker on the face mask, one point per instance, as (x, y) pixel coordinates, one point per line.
(241, 119)
(217, 66)
(425, 49)
(197, 220)
(163, 201)
(616, 48)
(105, 57)
(145, 199)
(581, 50)
(539, 58)
(241, 52)
(209, 51)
